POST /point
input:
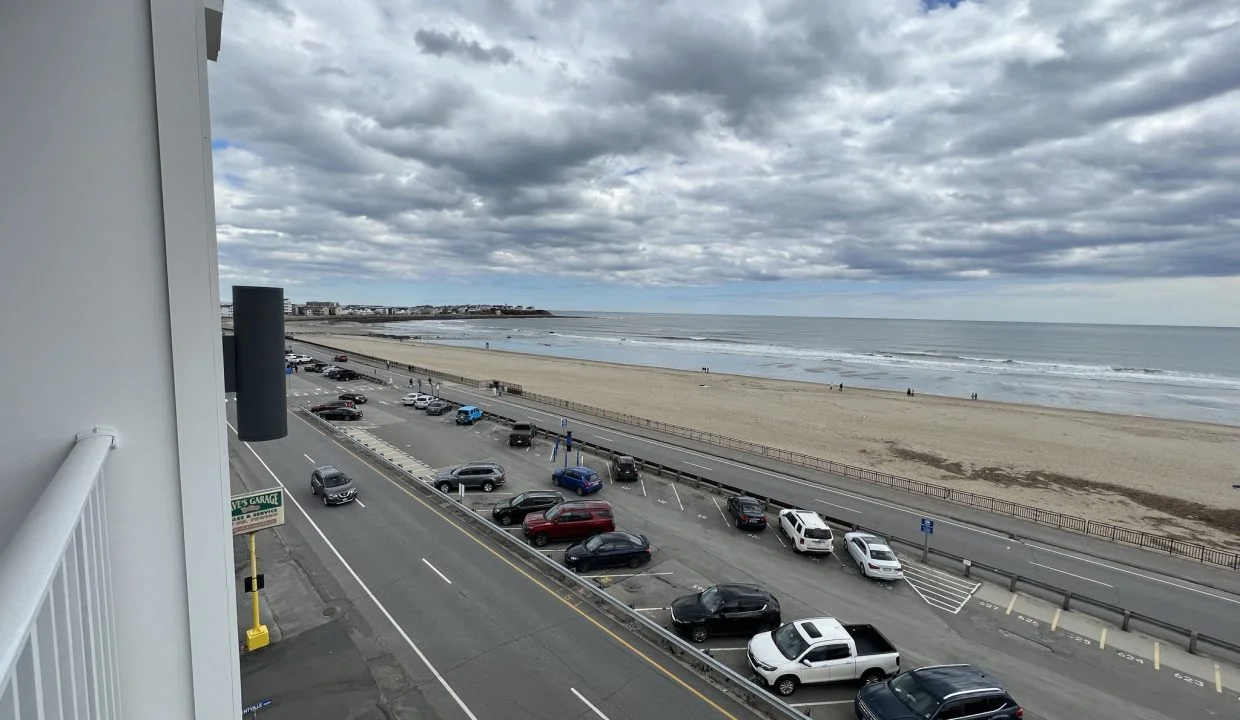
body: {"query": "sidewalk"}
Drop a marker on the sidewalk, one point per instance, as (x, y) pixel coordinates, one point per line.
(312, 668)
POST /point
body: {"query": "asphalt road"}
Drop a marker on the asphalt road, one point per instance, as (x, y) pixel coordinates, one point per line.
(501, 643)
(1210, 611)
(696, 547)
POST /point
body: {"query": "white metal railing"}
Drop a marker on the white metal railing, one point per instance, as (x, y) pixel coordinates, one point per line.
(58, 654)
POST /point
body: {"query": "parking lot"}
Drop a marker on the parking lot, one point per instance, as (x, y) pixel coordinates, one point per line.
(929, 616)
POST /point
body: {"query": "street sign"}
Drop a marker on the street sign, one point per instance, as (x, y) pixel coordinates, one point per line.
(927, 529)
(563, 423)
(927, 526)
(253, 709)
(257, 510)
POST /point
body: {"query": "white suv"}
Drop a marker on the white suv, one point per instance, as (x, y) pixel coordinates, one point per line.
(417, 400)
(806, 531)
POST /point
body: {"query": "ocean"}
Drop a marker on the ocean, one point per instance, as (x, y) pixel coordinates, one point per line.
(1185, 373)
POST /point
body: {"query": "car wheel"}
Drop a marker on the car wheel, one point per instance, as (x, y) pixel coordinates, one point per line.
(313, 491)
(505, 519)
(581, 492)
(635, 562)
(555, 481)
(786, 685)
(324, 499)
(699, 634)
(444, 487)
(872, 676)
(488, 486)
(584, 566)
(738, 523)
(540, 540)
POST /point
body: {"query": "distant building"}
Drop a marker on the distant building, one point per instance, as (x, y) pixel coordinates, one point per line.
(226, 310)
(288, 306)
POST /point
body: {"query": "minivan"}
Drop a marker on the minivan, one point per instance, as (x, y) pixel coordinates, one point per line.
(468, 415)
(568, 521)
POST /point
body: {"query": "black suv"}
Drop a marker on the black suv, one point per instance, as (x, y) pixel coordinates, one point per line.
(734, 609)
(485, 476)
(342, 374)
(515, 508)
(624, 468)
(938, 692)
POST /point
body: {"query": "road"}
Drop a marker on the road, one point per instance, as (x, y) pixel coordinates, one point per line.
(696, 547)
(1138, 590)
(495, 640)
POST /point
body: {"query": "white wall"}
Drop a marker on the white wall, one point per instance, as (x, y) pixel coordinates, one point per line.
(95, 331)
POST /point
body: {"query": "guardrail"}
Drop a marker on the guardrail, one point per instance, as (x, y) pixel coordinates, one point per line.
(696, 659)
(1193, 639)
(1114, 533)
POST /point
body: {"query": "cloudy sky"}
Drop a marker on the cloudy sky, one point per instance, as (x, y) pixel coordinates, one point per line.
(1054, 160)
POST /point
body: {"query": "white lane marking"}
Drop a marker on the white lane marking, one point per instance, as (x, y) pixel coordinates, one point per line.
(1135, 574)
(677, 494)
(1065, 572)
(721, 513)
(643, 482)
(650, 609)
(589, 704)
(823, 702)
(600, 437)
(824, 502)
(359, 502)
(308, 458)
(731, 649)
(696, 465)
(606, 574)
(365, 588)
(432, 567)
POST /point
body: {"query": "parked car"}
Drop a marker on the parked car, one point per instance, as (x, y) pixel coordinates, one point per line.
(806, 531)
(340, 413)
(484, 476)
(732, 609)
(821, 650)
(522, 433)
(747, 513)
(410, 398)
(874, 558)
(438, 407)
(332, 485)
(332, 404)
(468, 415)
(298, 359)
(581, 480)
(938, 692)
(624, 469)
(341, 374)
(317, 367)
(341, 358)
(515, 508)
(423, 402)
(358, 398)
(609, 549)
(568, 521)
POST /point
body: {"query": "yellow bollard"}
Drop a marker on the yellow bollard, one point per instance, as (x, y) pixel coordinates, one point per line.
(257, 637)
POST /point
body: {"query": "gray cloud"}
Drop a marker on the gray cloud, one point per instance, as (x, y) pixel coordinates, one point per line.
(434, 42)
(680, 142)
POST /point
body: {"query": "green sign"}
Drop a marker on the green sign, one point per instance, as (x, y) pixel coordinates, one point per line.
(257, 510)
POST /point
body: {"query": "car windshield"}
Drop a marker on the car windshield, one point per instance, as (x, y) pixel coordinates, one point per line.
(335, 480)
(712, 600)
(877, 554)
(910, 692)
(518, 499)
(554, 512)
(789, 641)
(593, 543)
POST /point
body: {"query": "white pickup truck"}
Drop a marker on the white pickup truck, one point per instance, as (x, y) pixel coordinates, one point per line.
(821, 650)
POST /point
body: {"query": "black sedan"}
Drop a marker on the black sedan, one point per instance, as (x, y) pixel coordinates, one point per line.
(515, 508)
(609, 549)
(358, 398)
(340, 413)
(438, 407)
(733, 609)
(747, 512)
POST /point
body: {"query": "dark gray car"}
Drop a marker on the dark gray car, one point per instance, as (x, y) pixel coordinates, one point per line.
(332, 485)
(485, 476)
(514, 509)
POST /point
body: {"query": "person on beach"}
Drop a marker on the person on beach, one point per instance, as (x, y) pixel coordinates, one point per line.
(841, 387)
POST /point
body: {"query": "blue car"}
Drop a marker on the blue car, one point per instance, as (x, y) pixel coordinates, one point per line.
(581, 480)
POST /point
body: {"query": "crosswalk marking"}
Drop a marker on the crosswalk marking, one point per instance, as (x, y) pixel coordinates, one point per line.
(937, 588)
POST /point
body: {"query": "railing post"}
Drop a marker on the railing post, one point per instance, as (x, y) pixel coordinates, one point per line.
(1192, 642)
(1127, 620)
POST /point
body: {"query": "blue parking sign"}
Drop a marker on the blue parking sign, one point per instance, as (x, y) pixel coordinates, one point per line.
(927, 526)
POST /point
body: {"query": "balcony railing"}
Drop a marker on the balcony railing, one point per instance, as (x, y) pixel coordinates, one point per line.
(58, 653)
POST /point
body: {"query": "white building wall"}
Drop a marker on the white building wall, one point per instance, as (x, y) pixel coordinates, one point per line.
(108, 287)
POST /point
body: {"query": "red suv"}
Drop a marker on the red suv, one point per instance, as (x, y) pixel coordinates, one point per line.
(569, 521)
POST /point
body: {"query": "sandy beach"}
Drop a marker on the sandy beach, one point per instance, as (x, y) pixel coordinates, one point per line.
(1164, 476)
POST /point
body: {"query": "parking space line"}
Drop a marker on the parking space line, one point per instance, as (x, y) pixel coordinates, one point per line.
(721, 513)
(308, 458)
(359, 502)
(727, 649)
(1013, 602)
(643, 482)
(1157, 656)
(588, 703)
(823, 702)
(655, 609)
(677, 494)
(603, 575)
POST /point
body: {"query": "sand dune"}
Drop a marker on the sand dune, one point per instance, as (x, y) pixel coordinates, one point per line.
(1165, 476)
